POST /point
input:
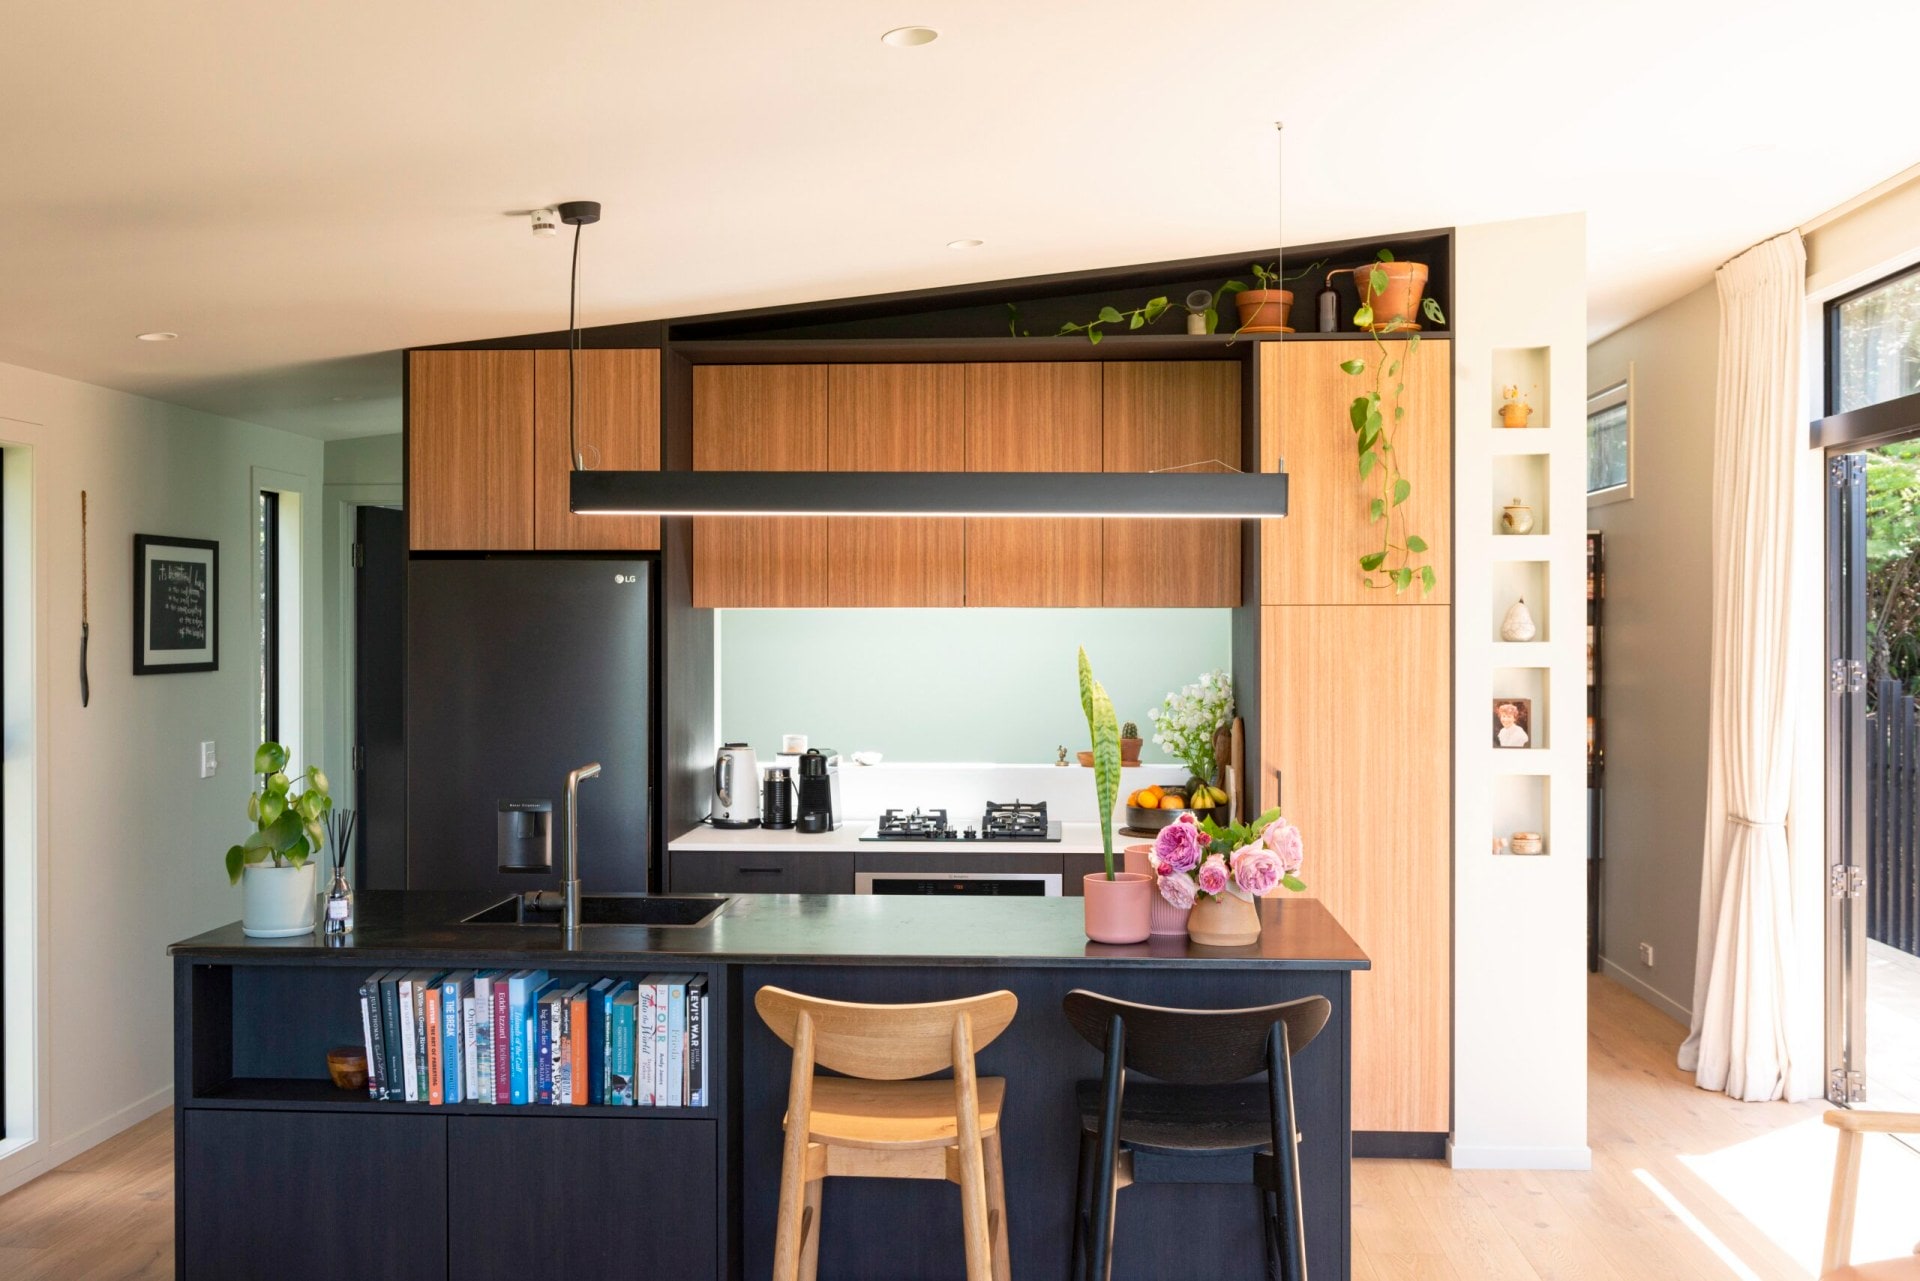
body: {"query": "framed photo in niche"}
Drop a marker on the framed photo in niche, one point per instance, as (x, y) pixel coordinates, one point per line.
(176, 605)
(1513, 722)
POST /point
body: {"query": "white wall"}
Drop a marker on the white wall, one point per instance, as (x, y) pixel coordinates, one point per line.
(1658, 626)
(1519, 938)
(130, 840)
(364, 469)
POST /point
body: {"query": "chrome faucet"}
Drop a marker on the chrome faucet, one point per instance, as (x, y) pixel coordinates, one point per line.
(570, 873)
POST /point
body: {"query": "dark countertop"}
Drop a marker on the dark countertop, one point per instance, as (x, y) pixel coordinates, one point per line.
(842, 929)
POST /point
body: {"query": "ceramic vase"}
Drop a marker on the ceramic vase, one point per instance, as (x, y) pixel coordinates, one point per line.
(276, 902)
(1516, 518)
(1120, 910)
(1518, 624)
(1224, 920)
(1164, 920)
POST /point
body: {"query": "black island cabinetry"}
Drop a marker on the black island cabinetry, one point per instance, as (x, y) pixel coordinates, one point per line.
(278, 1173)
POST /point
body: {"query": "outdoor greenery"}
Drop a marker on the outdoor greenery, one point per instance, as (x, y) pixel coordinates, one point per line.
(1893, 566)
(1878, 354)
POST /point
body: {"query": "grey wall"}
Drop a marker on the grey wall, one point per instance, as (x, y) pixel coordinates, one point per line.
(1658, 627)
(987, 685)
(364, 469)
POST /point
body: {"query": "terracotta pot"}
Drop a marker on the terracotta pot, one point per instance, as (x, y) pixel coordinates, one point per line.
(1165, 920)
(1224, 920)
(1120, 910)
(1264, 308)
(1130, 750)
(1398, 305)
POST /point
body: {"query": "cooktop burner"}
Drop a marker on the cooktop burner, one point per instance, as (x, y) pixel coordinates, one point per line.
(1018, 821)
(1013, 821)
(898, 825)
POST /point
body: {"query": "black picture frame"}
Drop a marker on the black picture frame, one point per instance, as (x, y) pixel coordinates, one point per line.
(157, 647)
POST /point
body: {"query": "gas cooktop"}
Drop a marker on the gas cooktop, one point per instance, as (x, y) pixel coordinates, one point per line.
(1009, 821)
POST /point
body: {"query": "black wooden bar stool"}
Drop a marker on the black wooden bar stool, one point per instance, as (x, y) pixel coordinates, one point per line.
(1236, 1131)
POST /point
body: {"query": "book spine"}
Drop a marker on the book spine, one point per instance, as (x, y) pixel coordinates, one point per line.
(578, 1031)
(390, 1019)
(706, 1011)
(543, 1056)
(677, 1045)
(436, 1084)
(408, 1039)
(517, 1042)
(620, 1056)
(563, 1054)
(557, 1046)
(422, 1036)
(369, 1020)
(451, 1055)
(696, 1033)
(643, 1049)
(469, 1048)
(662, 1025)
(502, 1049)
(600, 1052)
(480, 1062)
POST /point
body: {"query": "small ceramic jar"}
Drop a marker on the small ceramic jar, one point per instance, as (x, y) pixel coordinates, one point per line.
(1516, 518)
(1526, 843)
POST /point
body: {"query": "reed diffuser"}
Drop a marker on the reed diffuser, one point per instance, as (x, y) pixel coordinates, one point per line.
(339, 913)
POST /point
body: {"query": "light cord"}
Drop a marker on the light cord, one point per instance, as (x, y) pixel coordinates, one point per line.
(573, 351)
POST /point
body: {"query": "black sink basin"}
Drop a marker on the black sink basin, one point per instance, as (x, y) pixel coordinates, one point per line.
(607, 909)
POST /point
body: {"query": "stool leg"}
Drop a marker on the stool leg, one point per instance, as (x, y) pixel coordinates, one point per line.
(1291, 1217)
(793, 1157)
(1082, 1209)
(1270, 1225)
(1107, 1153)
(810, 1226)
(997, 1208)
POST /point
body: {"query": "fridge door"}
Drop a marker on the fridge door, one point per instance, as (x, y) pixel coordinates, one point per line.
(518, 670)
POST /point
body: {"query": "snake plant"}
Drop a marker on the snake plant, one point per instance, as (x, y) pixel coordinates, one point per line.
(1105, 728)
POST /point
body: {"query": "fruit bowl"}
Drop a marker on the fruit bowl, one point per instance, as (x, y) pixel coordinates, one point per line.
(1145, 820)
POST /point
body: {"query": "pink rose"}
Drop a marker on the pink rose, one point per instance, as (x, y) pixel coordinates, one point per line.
(1256, 870)
(1283, 838)
(1177, 889)
(1178, 845)
(1212, 876)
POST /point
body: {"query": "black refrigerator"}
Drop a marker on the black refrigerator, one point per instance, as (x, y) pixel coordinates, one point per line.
(519, 669)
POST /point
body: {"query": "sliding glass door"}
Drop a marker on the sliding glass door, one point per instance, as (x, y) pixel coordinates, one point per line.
(1846, 777)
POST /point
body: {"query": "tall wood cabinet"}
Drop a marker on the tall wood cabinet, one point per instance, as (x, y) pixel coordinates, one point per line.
(896, 418)
(1034, 417)
(1313, 556)
(760, 418)
(488, 454)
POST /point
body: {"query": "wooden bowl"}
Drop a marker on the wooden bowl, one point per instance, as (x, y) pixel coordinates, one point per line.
(347, 1065)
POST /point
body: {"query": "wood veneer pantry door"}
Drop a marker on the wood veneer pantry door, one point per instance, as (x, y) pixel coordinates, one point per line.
(1356, 717)
(1033, 417)
(1313, 556)
(896, 418)
(760, 418)
(470, 450)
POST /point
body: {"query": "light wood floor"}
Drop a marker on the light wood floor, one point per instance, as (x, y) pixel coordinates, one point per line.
(1685, 1184)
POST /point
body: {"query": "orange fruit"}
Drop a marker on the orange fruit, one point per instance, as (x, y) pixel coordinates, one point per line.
(1150, 796)
(1173, 801)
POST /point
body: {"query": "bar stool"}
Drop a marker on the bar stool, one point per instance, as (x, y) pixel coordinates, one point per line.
(1238, 1131)
(884, 1124)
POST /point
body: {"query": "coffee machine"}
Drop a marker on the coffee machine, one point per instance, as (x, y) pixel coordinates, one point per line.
(819, 790)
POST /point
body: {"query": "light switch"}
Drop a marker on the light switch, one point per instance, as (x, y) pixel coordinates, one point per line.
(208, 763)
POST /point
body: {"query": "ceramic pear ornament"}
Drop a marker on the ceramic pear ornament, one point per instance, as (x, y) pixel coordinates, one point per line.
(1518, 624)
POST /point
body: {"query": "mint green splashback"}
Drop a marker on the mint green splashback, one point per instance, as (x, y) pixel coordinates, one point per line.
(990, 685)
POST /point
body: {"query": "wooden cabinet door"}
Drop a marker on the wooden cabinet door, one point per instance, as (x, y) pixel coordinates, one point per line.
(1033, 417)
(1313, 556)
(587, 1198)
(370, 1187)
(759, 418)
(619, 415)
(896, 418)
(1356, 717)
(1160, 414)
(470, 450)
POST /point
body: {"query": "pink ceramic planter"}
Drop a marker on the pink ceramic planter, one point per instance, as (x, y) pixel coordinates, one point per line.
(1119, 911)
(1164, 920)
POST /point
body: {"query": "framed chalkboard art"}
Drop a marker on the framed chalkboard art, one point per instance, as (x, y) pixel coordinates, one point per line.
(176, 605)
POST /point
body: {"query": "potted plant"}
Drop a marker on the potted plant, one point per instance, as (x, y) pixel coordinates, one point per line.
(1184, 726)
(271, 865)
(1130, 744)
(1117, 904)
(1390, 294)
(1213, 872)
(1267, 306)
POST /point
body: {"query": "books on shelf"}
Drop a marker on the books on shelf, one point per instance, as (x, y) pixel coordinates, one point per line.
(494, 1037)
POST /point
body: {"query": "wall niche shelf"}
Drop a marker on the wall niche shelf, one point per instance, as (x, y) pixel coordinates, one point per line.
(1522, 478)
(1520, 805)
(1521, 653)
(1529, 369)
(1520, 580)
(1529, 683)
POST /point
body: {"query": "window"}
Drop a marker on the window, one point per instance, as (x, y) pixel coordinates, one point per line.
(1610, 443)
(276, 603)
(1873, 343)
(267, 575)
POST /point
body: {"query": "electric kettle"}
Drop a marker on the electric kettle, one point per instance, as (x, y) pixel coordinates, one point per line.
(736, 787)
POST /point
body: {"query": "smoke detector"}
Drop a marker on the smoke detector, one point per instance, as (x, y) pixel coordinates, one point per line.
(546, 222)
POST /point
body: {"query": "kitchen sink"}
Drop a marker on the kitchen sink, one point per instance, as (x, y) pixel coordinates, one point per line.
(606, 909)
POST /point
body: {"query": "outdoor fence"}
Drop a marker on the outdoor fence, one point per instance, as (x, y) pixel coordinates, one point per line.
(1893, 820)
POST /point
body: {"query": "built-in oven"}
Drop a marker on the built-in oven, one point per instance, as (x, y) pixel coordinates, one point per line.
(985, 884)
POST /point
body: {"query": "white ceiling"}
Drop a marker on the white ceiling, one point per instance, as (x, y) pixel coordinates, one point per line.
(302, 189)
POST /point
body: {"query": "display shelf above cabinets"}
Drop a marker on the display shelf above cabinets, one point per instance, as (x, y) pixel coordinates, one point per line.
(1522, 390)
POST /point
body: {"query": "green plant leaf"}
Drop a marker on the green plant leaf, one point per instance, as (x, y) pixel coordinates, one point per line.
(1368, 461)
(1372, 561)
(1427, 578)
(1415, 543)
(1093, 335)
(1213, 319)
(1155, 308)
(1393, 367)
(1104, 727)
(1357, 412)
(1374, 420)
(269, 758)
(1109, 315)
(1293, 883)
(317, 780)
(1136, 320)
(277, 784)
(1231, 287)
(1413, 344)
(1399, 412)
(1354, 366)
(1377, 282)
(1432, 311)
(271, 808)
(1377, 510)
(1363, 317)
(1401, 488)
(296, 853)
(1385, 255)
(236, 861)
(253, 808)
(1370, 433)
(1402, 579)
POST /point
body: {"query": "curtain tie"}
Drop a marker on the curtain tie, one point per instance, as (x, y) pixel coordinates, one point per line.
(1744, 821)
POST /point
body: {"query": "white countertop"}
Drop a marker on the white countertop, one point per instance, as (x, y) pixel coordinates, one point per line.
(1075, 838)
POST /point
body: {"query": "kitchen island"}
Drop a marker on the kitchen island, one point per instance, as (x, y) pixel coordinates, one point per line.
(478, 1191)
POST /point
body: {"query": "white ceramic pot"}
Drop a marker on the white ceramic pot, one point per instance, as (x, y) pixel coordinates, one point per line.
(277, 902)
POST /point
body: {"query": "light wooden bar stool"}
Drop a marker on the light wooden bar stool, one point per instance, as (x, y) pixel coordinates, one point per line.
(885, 1124)
(1836, 1259)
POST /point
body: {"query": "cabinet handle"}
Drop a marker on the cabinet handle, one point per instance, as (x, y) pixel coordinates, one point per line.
(766, 871)
(1279, 789)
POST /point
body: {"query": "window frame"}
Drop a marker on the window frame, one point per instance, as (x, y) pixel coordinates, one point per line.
(267, 543)
(1830, 340)
(1599, 401)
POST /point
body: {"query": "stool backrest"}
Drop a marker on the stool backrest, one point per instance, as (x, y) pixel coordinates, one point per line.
(885, 1042)
(1196, 1047)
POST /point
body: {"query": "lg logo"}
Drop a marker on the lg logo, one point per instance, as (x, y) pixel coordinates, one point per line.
(626, 578)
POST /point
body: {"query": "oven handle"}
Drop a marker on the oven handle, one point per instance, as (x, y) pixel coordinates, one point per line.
(1050, 881)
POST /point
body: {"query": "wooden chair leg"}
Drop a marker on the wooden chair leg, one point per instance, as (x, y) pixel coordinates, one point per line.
(973, 1165)
(790, 1223)
(1838, 1250)
(997, 1208)
(810, 1230)
(1082, 1209)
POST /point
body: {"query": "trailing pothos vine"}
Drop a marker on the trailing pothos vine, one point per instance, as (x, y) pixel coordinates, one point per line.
(1375, 416)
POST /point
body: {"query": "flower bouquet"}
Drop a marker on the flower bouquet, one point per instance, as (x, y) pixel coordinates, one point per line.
(1185, 723)
(1218, 870)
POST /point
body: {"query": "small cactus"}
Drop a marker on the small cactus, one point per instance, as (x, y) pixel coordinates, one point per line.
(1129, 730)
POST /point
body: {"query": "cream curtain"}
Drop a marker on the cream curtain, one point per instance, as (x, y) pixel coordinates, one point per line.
(1750, 1034)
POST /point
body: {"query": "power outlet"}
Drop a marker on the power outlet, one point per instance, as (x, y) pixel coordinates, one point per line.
(209, 762)
(1646, 955)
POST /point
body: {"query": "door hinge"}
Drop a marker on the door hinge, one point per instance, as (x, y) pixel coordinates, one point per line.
(1846, 676)
(1839, 471)
(359, 555)
(359, 757)
(1844, 880)
(1846, 1087)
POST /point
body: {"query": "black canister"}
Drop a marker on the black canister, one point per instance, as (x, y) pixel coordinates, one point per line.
(776, 799)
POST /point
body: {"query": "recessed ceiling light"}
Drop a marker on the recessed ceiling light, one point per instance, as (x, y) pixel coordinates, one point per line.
(965, 244)
(158, 335)
(910, 37)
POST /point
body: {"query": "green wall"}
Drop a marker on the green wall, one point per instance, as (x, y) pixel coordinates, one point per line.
(988, 685)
